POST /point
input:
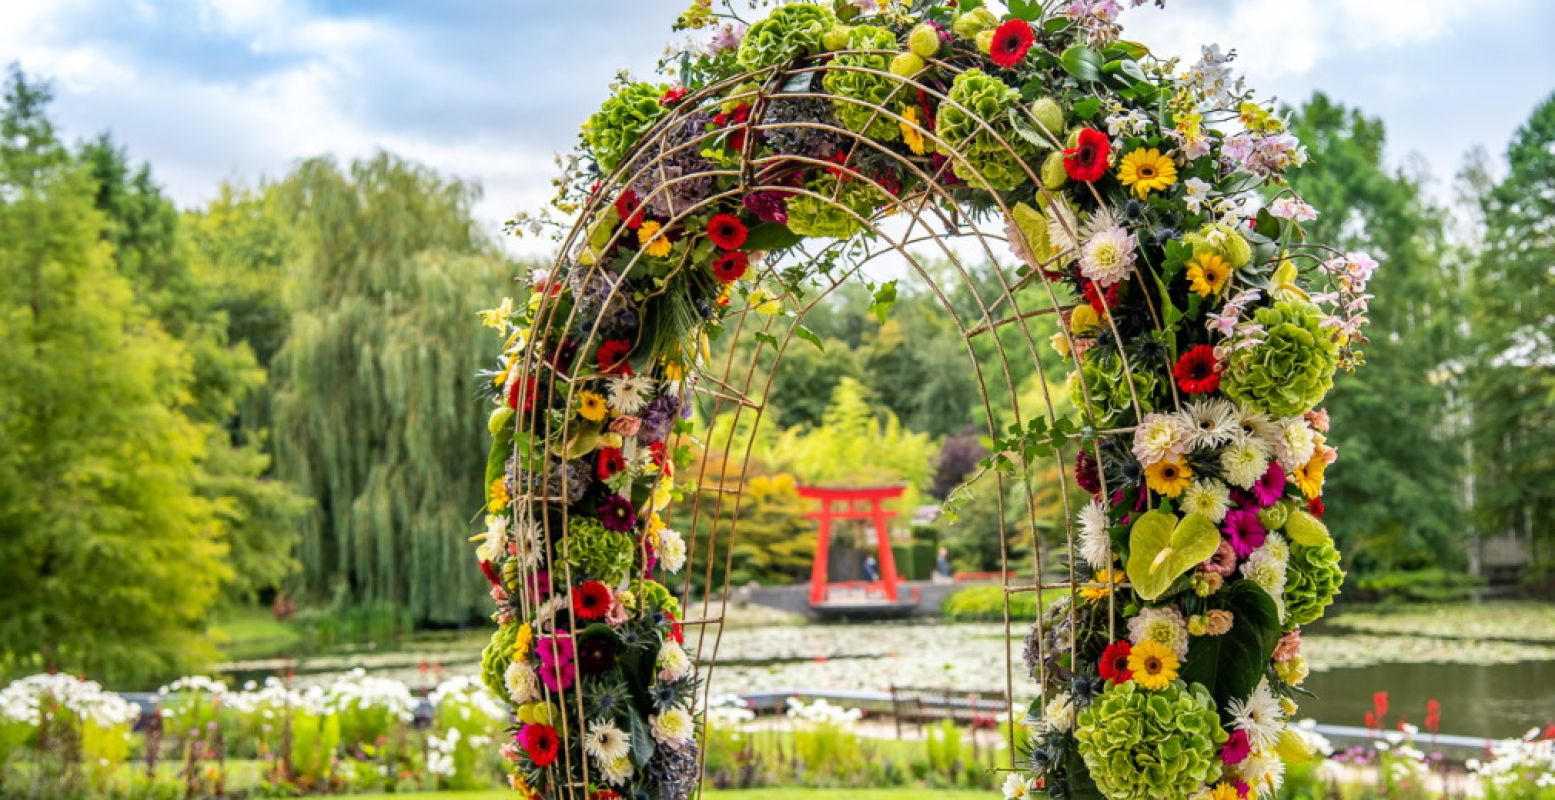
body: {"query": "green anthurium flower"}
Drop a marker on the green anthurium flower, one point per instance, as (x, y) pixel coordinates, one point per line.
(1162, 547)
(1305, 529)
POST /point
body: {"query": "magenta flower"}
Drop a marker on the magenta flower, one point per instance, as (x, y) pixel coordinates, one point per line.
(1236, 749)
(1271, 487)
(1244, 530)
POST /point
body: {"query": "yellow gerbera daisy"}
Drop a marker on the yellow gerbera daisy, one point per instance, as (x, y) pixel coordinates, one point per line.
(652, 243)
(1208, 274)
(1170, 477)
(1146, 171)
(1154, 665)
(1108, 578)
(912, 133)
(499, 496)
(591, 406)
(1225, 791)
(1309, 476)
(523, 640)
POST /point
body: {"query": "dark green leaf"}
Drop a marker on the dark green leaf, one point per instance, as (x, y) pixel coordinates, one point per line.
(1082, 62)
(809, 336)
(1231, 664)
(1087, 108)
(1124, 49)
(968, 5)
(766, 338)
(642, 741)
(1028, 10)
(885, 297)
(770, 236)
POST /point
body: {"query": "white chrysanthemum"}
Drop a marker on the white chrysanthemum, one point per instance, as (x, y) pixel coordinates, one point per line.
(604, 742)
(1016, 786)
(1059, 712)
(1257, 425)
(1063, 229)
(1160, 437)
(1107, 256)
(495, 541)
(617, 772)
(1212, 421)
(1268, 567)
(522, 683)
(1095, 544)
(672, 550)
(673, 726)
(628, 393)
(1161, 625)
(1296, 443)
(525, 542)
(1209, 498)
(1244, 462)
(1260, 716)
(1264, 771)
(673, 663)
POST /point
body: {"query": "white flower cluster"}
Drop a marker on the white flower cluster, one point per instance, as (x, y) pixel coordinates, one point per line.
(32, 698)
(361, 691)
(1528, 762)
(821, 712)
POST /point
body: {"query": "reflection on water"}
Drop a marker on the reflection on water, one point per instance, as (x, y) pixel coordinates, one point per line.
(1500, 700)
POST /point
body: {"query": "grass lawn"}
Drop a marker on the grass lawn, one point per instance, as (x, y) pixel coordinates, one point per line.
(246, 633)
(733, 794)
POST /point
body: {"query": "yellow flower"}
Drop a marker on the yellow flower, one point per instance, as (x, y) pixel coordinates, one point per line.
(499, 496)
(1309, 476)
(1154, 665)
(1083, 319)
(523, 640)
(655, 523)
(764, 304)
(1146, 171)
(1259, 118)
(912, 134)
(652, 242)
(1108, 578)
(1170, 477)
(498, 317)
(1225, 791)
(1208, 274)
(673, 371)
(591, 406)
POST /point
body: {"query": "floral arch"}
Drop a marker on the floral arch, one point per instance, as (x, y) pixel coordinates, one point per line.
(1136, 203)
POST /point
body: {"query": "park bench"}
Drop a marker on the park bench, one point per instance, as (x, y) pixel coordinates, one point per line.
(920, 705)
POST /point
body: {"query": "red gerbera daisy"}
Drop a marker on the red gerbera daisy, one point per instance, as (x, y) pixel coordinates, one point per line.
(658, 451)
(629, 207)
(730, 266)
(726, 231)
(1197, 371)
(1010, 43)
(521, 395)
(610, 462)
(1114, 662)
(611, 357)
(672, 96)
(1316, 508)
(540, 743)
(591, 600)
(1087, 161)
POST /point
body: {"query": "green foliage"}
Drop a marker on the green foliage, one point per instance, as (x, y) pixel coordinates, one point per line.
(973, 121)
(833, 206)
(789, 32)
(1312, 581)
(856, 92)
(374, 416)
(1511, 379)
(110, 551)
(986, 604)
(1413, 586)
(1141, 745)
(1230, 665)
(623, 119)
(1292, 369)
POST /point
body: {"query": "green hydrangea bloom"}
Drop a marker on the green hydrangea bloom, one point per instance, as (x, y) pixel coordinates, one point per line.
(790, 32)
(865, 87)
(594, 553)
(1144, 745)
(975, 98)
(1312, 578)
(496, 658)
(1222, 240)
(621, 121)
(1106, 389)
(1290, 371)
(812, 216)
(655, 595)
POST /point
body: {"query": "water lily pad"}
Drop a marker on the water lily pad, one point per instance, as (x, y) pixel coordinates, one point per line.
(1162, 547)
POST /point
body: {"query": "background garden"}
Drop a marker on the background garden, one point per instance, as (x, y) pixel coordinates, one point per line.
(237, 442)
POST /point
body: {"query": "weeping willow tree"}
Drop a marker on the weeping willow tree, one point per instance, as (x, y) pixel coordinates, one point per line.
(375, 415)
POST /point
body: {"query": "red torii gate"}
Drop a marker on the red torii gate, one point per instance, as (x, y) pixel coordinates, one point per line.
(851, 499)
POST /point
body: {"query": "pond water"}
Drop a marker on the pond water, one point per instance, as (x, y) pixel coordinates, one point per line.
(1492, 700)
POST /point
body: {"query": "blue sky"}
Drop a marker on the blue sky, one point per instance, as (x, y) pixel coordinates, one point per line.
(210, 90)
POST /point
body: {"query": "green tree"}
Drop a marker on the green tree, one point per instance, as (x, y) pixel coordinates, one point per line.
(1512, 381)
(1394, 499)
(110, 553)
(375, 412)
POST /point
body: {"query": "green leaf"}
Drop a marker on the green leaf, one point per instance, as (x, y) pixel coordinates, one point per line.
(1082, 62)
(809, 336)
(1125, 49)
(765, 338)
(968, 5)
(1231, 664)
(642, 741)
(885, 297)
(1161, 547)
(770, 236)
(1087, 108)
(1028, 10)
(1127, 68)
(1307, 530)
